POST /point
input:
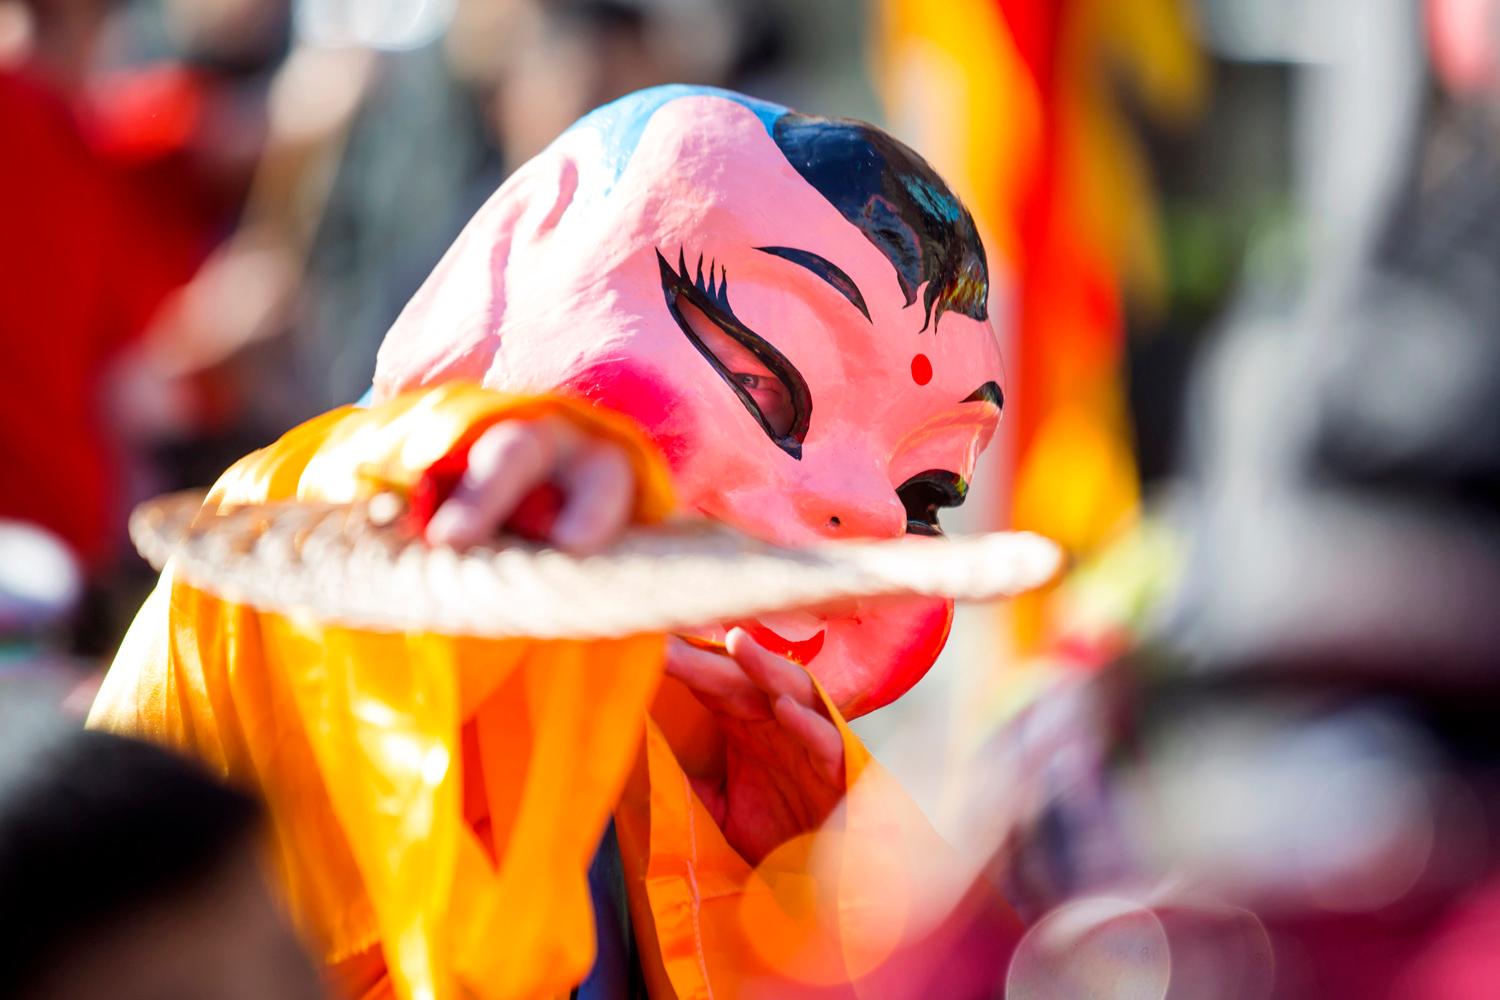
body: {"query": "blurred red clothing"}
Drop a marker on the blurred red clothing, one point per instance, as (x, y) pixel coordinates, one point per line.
(1446, 952)
(82, 267)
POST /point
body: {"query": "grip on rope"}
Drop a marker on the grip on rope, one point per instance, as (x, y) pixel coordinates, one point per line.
(532, 519)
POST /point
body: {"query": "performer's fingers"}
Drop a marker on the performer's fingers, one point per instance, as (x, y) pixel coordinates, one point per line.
(599, 484)
(817, 734)
(505, 463)
(715, 679)
(774, 674)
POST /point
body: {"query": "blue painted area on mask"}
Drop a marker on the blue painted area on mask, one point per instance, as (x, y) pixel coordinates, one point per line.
(364, 402)
(621, 122)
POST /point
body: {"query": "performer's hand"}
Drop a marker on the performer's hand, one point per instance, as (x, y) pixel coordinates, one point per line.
(784, 758)
(512, 459)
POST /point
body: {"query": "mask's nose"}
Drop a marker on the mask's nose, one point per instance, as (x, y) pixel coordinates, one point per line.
(855, 500)
(838, 495)
(855, 517)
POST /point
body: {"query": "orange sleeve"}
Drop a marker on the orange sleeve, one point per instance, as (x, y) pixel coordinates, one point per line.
(838, 911)
(418, 786)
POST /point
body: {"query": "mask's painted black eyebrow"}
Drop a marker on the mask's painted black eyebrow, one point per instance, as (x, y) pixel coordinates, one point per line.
(825, 269)
(987, 393)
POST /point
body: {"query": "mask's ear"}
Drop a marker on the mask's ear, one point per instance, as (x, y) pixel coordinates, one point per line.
(451, 327)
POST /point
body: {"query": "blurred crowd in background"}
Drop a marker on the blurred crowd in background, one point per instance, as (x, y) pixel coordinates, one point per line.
(214, 210)
(1248, 283)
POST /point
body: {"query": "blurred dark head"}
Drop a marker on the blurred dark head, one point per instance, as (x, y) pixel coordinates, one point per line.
(127, 872)
(55, 37)
(232, 36)
(548, 62)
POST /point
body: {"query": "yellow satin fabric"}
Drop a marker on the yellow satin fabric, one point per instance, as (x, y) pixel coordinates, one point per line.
(439, 798)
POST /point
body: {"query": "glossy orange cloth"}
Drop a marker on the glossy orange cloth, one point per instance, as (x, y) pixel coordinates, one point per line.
(438, 797)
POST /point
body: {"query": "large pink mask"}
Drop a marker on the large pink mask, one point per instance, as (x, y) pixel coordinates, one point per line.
(793, 307)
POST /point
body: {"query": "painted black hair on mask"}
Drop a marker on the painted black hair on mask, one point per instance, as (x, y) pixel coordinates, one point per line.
(899, 203)
(882, 187)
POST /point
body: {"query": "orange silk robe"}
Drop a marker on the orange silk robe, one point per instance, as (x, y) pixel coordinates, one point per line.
(435, 802)
(439, 797)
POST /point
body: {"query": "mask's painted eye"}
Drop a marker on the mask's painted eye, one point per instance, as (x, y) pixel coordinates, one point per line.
(925, 494)
(768, 385)
(770, 395)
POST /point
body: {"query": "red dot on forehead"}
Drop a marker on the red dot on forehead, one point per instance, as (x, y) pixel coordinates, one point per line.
(921, 369)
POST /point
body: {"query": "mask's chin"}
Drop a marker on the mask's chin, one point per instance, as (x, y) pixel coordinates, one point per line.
(873, 658)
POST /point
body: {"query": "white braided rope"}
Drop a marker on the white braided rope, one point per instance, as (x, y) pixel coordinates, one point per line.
(356, 565)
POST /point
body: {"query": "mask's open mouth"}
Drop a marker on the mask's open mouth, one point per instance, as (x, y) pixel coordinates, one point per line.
(800, 651)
